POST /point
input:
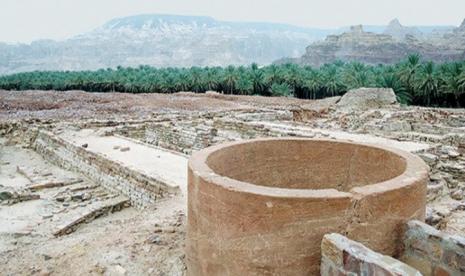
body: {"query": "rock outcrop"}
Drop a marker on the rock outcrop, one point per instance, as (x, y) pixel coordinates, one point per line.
(392, 46)
(366, 98)
(462, 26)
(400, 32)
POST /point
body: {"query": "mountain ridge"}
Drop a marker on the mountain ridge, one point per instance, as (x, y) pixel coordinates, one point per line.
(164, 40)
(392, 46)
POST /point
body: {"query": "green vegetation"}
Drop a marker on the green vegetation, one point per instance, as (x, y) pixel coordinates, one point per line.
(415, 82)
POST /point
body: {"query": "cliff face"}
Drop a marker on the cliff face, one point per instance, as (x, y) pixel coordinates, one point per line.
(390, 47)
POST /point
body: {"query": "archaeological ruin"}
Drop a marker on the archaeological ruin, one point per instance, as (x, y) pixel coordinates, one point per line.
(263, 206)
(211, 184)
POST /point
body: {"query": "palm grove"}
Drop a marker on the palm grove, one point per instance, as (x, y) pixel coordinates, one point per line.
(415, 82)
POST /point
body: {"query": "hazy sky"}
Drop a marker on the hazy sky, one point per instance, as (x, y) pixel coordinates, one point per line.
(26, 20)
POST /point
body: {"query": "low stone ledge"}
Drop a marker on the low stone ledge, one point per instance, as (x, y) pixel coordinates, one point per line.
(433, 252)
(342, 256)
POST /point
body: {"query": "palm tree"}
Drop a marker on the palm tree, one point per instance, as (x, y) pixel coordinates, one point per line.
(427, 83)
(230, 78)
(412, 81)
(313, 82)
(280, 90)
(244, 86)
(453, 81)
(211, 78)
(293, 76)
(168, 83)
(357, 75)
(257, 78)
(408, 72)
(331, 80)
(273, 74)
(196, 79)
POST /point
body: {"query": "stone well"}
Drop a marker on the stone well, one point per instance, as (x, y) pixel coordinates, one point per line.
(261, 207)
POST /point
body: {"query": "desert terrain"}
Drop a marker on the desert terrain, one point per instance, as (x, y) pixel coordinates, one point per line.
(95, 183)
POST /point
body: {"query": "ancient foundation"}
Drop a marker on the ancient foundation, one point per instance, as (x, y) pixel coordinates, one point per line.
(262, 207)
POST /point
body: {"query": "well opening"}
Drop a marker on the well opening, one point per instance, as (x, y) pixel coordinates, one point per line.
(306, 164)
(263, 206)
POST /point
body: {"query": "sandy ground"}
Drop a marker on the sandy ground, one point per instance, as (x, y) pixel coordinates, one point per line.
(77, 104)
(129, 242)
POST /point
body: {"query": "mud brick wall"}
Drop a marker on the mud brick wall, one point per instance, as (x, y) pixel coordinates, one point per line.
(342, 256)
(433, 252)
(142, 190)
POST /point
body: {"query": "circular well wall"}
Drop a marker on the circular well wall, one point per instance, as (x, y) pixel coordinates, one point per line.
(262, 206)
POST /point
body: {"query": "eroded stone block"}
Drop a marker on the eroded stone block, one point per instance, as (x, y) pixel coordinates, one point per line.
(433, 252)
(342, 256)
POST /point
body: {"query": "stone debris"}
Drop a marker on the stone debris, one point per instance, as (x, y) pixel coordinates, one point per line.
(315, 110)
(44, 180)
(433, 252)
(53, 184)
(94, 211)
(429, 158)
(9, 196)
(341, 256)
(155, 239)
(182, 124)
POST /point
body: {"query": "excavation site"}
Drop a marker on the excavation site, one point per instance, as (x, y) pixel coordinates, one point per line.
(213, 184)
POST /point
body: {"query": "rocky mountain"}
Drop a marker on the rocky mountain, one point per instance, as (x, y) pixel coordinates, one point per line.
(399, 32)
(184, 41)
(162, 40)
(391, 46)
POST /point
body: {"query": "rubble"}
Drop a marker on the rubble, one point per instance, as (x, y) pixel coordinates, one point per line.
(341, 256)
(136, 149)
(91, 213)
(314, 110)
(10, 196)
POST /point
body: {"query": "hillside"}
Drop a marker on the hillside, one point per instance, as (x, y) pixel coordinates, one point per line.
(162, 41)
(391, 46)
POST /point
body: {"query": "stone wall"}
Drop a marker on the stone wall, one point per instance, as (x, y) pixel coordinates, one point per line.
(433, 252)
(342, 256)
(189, 136)
(180, 136)
(141, 189)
